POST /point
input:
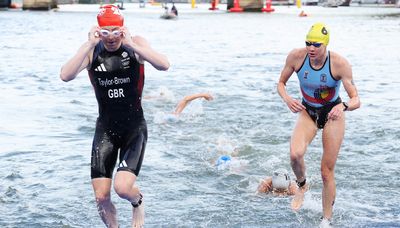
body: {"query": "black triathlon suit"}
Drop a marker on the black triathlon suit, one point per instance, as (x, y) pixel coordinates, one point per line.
(118, 79)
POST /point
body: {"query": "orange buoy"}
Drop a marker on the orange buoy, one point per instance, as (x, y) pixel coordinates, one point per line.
(268, 8)
(236, 7)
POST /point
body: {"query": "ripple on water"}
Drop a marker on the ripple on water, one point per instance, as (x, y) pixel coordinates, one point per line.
(13, 176)
(11, 195)
(13, 154)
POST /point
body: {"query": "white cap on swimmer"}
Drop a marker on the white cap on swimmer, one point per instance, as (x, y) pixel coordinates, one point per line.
(280, 179)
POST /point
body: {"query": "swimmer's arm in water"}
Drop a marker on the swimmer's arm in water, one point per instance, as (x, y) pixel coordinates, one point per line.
(265, 185)
(81, 59)
(142, 48)
(186, 100)
(292, 188)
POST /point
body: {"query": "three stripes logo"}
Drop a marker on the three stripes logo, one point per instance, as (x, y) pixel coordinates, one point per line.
(123, 164)
(101, 68)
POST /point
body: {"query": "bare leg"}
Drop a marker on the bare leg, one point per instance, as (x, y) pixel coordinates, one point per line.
(124, 185)
(303, 134)
(332, 138)
(106, 208)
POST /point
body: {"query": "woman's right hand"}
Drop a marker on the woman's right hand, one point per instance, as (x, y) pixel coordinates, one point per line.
(294, 105)
(94, 35)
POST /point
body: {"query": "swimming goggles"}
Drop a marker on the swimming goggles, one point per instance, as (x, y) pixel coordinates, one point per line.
(317, 45)
(106, 33)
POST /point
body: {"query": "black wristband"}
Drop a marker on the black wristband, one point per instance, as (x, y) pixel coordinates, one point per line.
(346, 106)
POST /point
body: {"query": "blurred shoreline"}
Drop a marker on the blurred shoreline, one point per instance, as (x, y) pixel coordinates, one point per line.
(203, 8)
(185, 8)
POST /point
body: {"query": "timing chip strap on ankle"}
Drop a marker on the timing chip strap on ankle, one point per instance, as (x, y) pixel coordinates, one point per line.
(139, 201)
(301, 184)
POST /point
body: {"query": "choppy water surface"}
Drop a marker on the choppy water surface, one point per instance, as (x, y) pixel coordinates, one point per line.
(46, 125)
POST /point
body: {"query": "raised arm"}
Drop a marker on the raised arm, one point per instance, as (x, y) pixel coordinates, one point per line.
(81, 59)
(287, 71)
(142, 48)
(187, 99)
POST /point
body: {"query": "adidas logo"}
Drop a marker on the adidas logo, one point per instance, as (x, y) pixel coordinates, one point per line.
(101, 68)
(123, 164)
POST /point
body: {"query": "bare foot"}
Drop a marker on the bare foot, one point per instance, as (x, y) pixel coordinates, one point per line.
(138, 216)
(325, 223)
(298, 198)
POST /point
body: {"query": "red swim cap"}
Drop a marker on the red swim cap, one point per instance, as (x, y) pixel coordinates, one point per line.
(110, 15)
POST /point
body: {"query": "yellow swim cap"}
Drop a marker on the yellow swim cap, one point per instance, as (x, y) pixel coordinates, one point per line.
(318, 33)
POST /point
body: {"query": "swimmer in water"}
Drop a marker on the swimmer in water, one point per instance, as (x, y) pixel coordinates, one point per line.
(230, 162)
(174, 116)
(187, 99)
(228, 155)
(223, 162)
(279, 184)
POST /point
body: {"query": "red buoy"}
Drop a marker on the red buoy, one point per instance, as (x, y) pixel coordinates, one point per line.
(236, 7)
(268, 8)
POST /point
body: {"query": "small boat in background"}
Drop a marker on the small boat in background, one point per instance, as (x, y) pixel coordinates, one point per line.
(170, 14)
